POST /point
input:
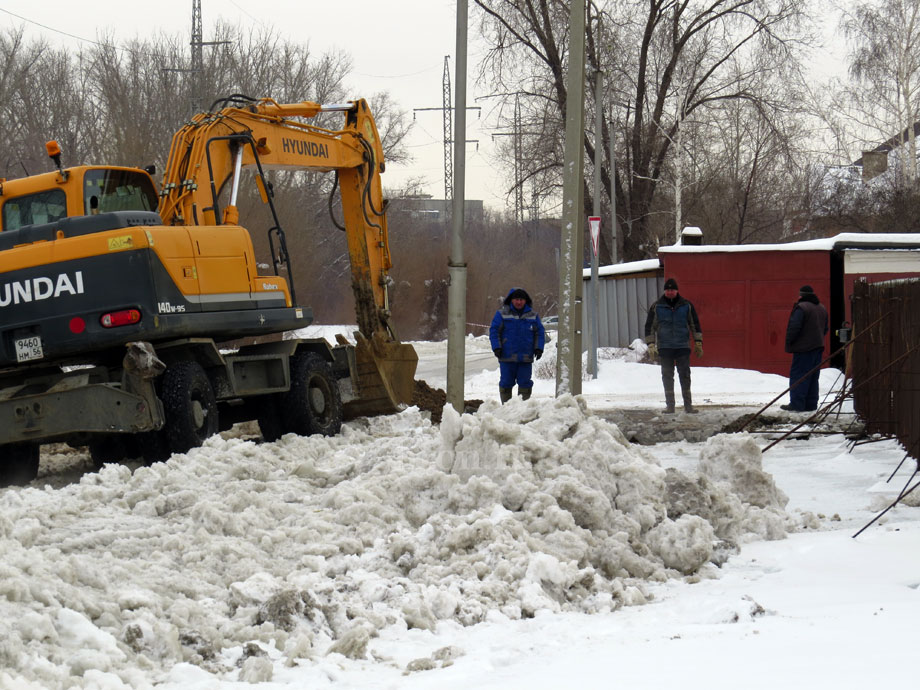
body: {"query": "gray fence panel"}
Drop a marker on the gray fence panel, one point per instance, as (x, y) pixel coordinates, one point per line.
(623, 303)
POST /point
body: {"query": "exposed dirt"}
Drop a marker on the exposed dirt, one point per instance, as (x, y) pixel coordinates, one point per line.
(648, 427)
(433, 400)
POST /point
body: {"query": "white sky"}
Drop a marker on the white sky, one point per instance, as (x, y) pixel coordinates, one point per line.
(397, 46)
(377, 559)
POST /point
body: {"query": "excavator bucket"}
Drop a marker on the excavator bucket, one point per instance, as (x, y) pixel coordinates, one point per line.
(385, 376)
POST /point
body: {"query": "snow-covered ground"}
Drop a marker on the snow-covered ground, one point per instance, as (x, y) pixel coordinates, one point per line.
(526, 546)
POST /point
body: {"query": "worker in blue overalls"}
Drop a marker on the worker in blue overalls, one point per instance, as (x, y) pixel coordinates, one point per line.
(517, 336)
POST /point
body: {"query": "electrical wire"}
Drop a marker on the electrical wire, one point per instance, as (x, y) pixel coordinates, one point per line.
(78, 38)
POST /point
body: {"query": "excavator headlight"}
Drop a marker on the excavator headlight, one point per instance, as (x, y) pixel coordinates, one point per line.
(125, 317)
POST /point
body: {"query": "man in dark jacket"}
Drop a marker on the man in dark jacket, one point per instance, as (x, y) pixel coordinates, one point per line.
(805, 340)
(671, 324)
(517, 338)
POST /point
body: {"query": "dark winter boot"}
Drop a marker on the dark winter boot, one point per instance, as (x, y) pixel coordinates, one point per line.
(668, 402)
(504, 394)
(525, 393)
(688, 403)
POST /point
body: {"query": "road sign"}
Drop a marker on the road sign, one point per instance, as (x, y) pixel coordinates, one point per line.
(595, 224)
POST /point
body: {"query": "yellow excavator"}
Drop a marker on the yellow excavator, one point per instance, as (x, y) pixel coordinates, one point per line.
(122, 308)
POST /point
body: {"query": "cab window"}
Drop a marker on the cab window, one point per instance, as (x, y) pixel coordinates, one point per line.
(117, 190)
(34, 209)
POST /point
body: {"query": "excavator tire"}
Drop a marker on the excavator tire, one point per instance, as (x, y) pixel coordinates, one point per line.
(110, 449)
(270, 422)
(313, 404)
(19, 464)
(189, 405)
(153, 446)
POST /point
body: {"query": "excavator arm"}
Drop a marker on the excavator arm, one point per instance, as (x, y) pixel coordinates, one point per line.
(209, 153)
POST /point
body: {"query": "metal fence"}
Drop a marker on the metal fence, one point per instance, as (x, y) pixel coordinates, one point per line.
(623, 305)
(885, 359)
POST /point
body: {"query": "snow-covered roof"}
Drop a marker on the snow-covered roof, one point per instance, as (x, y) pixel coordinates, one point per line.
(859, 240)
(841, 241)
(628, 267)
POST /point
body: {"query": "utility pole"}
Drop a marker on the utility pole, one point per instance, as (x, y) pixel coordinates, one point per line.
(456, 266)
(594, 316)
(571, 285)
(613, 194)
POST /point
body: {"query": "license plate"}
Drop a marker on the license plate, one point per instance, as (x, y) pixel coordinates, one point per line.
(28, 349)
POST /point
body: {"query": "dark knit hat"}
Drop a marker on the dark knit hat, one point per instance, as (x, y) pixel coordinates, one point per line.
(670, 284)
(806, 290)
(518, 294)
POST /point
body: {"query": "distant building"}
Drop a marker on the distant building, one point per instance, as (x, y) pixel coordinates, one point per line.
(434, 210)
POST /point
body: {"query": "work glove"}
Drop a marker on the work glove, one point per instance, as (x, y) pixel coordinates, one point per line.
(498, 352)
(537, 354)
(652, 351)
(698, 348)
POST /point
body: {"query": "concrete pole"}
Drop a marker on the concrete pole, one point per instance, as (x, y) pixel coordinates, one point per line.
(613, 195)
(456, 267)
(595, 281)
(678, 185)
(572, 242)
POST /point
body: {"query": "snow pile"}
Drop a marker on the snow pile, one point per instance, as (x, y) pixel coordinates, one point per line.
(239, 554)
(545, 367)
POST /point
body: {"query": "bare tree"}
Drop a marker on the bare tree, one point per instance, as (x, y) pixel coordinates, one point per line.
(666, 61)
(41, 99)
(120, 104)
(748, 175)
(885, 67)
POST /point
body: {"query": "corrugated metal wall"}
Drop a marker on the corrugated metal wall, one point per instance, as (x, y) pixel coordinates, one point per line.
(624, 301)
(886, 359)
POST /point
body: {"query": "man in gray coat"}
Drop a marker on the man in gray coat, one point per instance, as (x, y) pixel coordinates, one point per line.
(671, 325)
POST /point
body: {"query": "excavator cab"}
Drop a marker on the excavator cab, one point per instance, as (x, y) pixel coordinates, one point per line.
(79, 191)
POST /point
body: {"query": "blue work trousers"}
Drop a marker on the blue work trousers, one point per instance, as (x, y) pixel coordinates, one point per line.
(804, 396)
(512, 372)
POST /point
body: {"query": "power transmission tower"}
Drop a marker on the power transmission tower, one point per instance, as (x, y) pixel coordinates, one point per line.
(518, 163)
(197, 58)
(196, 69)
(197, 38)
(448, 131)
(196, 91)
(517, 132)
(534, 203)
(448, 134)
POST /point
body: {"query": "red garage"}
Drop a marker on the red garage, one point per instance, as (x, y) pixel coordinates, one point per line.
(745, 293)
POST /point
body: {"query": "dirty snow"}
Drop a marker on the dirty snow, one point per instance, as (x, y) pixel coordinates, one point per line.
(400, 554)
